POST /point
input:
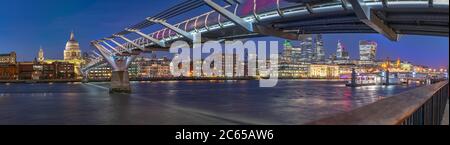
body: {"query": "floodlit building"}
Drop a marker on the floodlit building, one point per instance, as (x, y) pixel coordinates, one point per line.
(72, 55)
(41, 57)
(323, 71)
(72, 50)
(43, 71)
(319, 55)
(8, 67)
(291, 64)
(307, 49)
(367, 51)
(100, 73)
(341, 53)
(342, 56)
(157, 68)
(65, 70)
(9, 58)
(8, 72)
(25, 70)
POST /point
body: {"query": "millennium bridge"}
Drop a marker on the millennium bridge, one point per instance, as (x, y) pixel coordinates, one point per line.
(290, 19)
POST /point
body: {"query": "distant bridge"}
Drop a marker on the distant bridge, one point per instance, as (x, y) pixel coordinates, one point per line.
(289, 19)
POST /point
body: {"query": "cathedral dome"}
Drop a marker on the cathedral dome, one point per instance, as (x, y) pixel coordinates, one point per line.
(72, 50)
(72, 44)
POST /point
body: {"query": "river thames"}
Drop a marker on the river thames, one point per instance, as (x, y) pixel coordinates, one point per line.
(184, 102)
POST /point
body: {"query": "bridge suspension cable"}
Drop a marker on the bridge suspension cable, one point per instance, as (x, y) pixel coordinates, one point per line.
(176, 10)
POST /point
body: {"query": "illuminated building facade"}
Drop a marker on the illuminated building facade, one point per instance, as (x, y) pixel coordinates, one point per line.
(65, 70)
(237, 68)
(26, 70)
(47, 71)
(291, 64)
(163, 68)
(342, 56)
(156, 68)
(319, 55)
(8, 71)
(41, 57)
(268, 71)
(323, 71)
(367, 51)
(72, 50)
(43, 71)
(135, 68)
(143, 68)
(8, 67)
(341, 53)
(140, 68)
(100, 73)
(72, 55)
(307, 48)
(9, 58)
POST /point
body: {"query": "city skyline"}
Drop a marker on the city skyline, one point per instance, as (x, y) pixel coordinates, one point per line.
(218, 63)
(54, 20)
(330, 46)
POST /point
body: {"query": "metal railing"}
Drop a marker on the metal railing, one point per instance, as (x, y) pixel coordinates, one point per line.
(421, 106)
(432, 112)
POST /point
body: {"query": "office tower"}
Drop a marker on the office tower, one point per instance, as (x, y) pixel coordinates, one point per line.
(320, 50)
(367, 50)
(341, 53)
(306, 44)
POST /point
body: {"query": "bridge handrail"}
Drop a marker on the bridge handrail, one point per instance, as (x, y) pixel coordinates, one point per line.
(420, 106)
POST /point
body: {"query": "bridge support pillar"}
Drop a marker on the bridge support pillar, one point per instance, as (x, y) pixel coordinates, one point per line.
(353, 81)
(120, 82)
(387, 78)
(85, 79)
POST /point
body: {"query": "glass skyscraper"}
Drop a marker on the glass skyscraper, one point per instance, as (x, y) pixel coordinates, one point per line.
(367, 50)
(319, 54)
(291, 64)
(341, 53)
(308, 52)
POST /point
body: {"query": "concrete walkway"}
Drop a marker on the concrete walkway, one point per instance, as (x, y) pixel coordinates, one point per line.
(445, 120)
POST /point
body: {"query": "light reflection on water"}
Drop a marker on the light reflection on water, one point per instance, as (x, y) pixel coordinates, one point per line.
(184, 102)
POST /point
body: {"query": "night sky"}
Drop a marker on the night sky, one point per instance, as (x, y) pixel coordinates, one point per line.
(25, 25)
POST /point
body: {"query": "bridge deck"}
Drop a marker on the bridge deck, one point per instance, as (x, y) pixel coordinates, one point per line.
(289, 19)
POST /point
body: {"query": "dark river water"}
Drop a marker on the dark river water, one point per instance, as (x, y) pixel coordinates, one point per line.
(184, 102)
